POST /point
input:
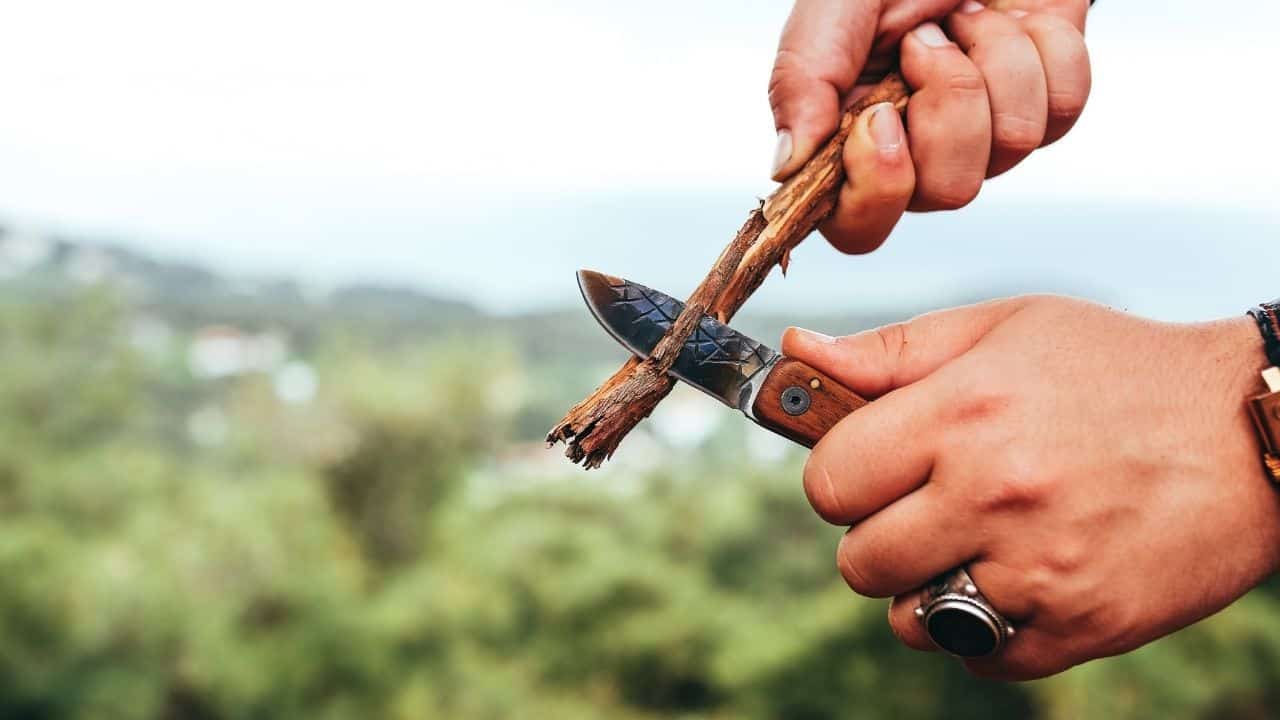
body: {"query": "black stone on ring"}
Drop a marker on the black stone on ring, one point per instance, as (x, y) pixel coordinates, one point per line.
(959, 619)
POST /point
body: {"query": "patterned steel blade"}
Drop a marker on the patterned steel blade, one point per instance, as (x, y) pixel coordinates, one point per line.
(716, 359)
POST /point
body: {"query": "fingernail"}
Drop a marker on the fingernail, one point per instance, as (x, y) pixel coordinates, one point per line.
(931, 35)
(972, 6)
(782, 153)
(813, 337)
(886, 127)
(1018, 14)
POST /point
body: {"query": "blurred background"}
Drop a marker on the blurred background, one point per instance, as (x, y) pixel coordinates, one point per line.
(287, 306)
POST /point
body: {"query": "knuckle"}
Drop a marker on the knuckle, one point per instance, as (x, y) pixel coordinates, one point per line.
(951, 193)
(820, 490)
(1066, 104)
(788, 72)
(1013, 132)
(979, 406)
(891, 189)
(1065, 558)
(1039, 588)
(894, 345)
(1015, 490)
(1043, 22)
(1060, 304)
(855, 570)
(965, 82)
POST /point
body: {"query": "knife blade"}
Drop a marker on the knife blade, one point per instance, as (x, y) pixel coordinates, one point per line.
(783, 395)
(787, 397)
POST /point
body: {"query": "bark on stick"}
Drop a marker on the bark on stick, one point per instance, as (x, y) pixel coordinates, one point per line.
(593, 429)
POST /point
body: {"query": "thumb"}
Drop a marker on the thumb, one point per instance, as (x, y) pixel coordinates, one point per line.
(878, 361)
(823, 49)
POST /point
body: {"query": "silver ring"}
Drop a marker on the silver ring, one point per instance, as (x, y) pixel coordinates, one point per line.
(960, 620)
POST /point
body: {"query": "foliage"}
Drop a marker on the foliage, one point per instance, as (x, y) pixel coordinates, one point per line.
(394, 547)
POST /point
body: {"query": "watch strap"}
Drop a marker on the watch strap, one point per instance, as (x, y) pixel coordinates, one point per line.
(1267, 315)
(1265, 408)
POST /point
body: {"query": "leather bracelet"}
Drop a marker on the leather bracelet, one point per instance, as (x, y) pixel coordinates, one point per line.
(1266, 408)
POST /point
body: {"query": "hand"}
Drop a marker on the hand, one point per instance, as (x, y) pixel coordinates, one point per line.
(1098, 473)
(1013, 80)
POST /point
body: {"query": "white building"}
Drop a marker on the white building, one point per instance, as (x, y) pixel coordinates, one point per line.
(219, 351)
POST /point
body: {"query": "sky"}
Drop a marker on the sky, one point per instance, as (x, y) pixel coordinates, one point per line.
(402, 140)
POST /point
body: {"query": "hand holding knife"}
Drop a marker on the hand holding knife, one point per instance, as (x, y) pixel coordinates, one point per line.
(791, 399)
(782, 394)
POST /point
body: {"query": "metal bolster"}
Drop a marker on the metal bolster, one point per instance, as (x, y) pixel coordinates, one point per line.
(751, 389)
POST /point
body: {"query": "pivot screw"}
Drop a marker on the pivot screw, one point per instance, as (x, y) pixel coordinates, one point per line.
(795, 400)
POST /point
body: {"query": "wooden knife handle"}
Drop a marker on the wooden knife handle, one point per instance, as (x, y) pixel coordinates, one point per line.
(801, 403)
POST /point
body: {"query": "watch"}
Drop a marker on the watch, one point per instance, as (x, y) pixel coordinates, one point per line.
(1265, 408)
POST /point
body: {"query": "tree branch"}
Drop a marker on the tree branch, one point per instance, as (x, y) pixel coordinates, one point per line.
(593, 429)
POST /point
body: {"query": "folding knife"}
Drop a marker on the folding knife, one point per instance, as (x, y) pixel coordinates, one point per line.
(789, 398)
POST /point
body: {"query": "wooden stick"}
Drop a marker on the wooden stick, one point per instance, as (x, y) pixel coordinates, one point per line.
(593, 429)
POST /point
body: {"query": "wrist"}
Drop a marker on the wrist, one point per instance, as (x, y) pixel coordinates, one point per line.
(1248, 358)
(1265, 407)
(1244, 361)
(1236, 357)
(1244, 386)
